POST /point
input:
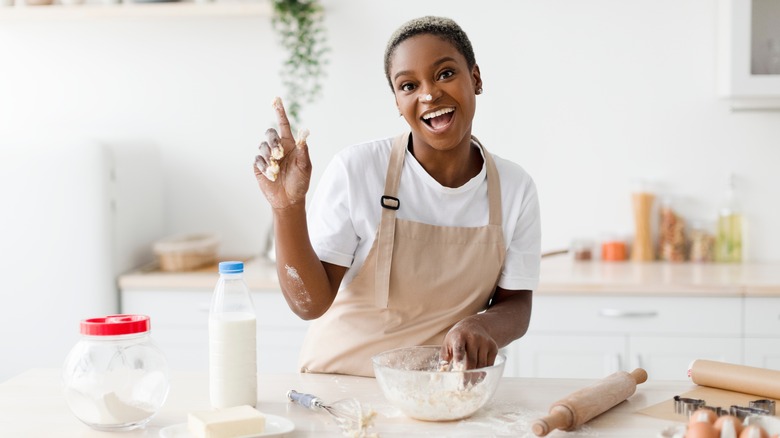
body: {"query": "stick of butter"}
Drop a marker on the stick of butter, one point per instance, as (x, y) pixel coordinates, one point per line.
(226, 423)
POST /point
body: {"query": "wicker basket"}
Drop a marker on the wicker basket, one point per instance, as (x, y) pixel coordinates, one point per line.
(186, 252)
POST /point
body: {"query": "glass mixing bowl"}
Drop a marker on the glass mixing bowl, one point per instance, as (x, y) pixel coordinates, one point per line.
(414, 380)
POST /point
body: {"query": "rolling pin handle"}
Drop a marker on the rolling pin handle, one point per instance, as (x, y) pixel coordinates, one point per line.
(639, 375)
(560, 417)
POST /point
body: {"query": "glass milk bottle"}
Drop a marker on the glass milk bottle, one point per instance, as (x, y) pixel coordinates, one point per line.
(232, 340)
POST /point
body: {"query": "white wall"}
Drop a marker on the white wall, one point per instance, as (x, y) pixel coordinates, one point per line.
(586, 95)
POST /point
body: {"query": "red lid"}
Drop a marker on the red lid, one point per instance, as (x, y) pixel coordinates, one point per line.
(113, 325)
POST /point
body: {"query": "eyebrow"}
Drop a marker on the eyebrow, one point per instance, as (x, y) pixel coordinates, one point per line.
(437, 62)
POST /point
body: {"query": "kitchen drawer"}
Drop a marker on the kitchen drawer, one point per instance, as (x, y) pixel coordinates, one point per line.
(637, 315)
(668, 357)
(569, 356)
(762, 317)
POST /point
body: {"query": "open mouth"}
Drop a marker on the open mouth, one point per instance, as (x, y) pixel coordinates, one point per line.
(439, 119)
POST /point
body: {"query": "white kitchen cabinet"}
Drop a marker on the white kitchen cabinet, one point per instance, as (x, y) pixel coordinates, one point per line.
(180, 327)
(568, 355)
(762, 352)
(749, 53)
(762, 332)
(762, 317)
(590, 336)
(668, 359)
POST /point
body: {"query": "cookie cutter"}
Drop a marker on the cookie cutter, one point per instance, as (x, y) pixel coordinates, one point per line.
(765, 404)
(719, 411)
(743, 411)
(686, 406)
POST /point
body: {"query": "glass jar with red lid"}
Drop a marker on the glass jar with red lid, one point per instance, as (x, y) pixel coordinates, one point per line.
(115, 378)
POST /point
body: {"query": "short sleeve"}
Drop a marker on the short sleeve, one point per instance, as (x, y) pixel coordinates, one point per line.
(523, 258)
(331, 229)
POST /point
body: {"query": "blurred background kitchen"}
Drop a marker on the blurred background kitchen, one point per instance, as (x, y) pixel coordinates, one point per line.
(118, 129)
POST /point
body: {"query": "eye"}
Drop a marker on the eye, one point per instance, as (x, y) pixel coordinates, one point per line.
(446, 74)
(406, 86)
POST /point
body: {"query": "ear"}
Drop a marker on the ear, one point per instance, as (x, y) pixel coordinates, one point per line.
(476, 77)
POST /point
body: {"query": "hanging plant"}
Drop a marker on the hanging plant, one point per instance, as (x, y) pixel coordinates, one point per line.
(299, 25)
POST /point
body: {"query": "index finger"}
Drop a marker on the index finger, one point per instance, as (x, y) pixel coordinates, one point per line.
(281, 117)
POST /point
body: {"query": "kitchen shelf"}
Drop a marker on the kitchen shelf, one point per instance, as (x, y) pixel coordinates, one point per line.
(131, 10)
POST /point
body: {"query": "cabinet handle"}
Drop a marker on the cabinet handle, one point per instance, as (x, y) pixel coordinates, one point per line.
(617, 313)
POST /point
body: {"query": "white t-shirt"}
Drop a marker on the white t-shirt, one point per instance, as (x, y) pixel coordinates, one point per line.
(345, 211)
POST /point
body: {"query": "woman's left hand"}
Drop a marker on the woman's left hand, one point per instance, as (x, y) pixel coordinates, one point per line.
(469, 344)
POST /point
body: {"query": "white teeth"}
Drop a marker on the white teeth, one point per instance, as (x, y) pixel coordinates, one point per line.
(437, 113)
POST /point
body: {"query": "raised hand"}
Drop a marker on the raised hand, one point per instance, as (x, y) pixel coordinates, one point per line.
(283, 167)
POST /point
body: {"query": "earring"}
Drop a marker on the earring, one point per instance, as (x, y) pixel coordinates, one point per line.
(479, 90)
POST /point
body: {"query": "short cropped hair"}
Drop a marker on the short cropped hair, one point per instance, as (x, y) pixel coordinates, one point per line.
(442, 27)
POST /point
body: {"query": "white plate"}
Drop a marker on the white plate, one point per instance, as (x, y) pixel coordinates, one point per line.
(274, 425)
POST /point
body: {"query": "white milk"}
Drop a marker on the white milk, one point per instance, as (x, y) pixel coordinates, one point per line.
(233, 359)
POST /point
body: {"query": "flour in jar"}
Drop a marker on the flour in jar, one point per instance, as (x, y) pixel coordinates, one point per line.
(112, 401)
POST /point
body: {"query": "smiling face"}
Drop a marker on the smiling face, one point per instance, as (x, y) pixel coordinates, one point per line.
(427, 65)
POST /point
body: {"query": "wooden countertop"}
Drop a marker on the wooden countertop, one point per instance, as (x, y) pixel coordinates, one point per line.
(32, 405)
(562, 275)
(259, 274)
(559, 275)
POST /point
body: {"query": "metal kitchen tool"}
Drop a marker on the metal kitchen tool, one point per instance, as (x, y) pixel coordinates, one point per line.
(719, 411)
(765, 404)
(743, 411)
(686, 406)
(348, 413)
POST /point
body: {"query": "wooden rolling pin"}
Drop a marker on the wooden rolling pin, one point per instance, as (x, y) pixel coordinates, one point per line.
(582, 405)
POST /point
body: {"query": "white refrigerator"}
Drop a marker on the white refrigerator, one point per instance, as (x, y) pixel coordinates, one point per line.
(73, 216)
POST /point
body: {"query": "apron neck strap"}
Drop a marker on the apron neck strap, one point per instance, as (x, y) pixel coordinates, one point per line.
(390, 200)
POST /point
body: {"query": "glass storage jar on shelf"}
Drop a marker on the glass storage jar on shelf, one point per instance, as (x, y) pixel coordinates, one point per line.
(702, 243)
(672, 246)
(115, 378)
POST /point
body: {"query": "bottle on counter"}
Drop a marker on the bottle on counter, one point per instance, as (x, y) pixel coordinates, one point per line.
(232, 340)
(728, 237)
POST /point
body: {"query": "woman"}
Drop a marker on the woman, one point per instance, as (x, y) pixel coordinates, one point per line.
(421, 239)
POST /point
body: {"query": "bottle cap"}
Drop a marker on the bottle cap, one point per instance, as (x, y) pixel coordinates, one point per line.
(113, 325)
(231, 267)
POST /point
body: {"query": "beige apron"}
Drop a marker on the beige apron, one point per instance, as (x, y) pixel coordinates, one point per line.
(417, 281)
